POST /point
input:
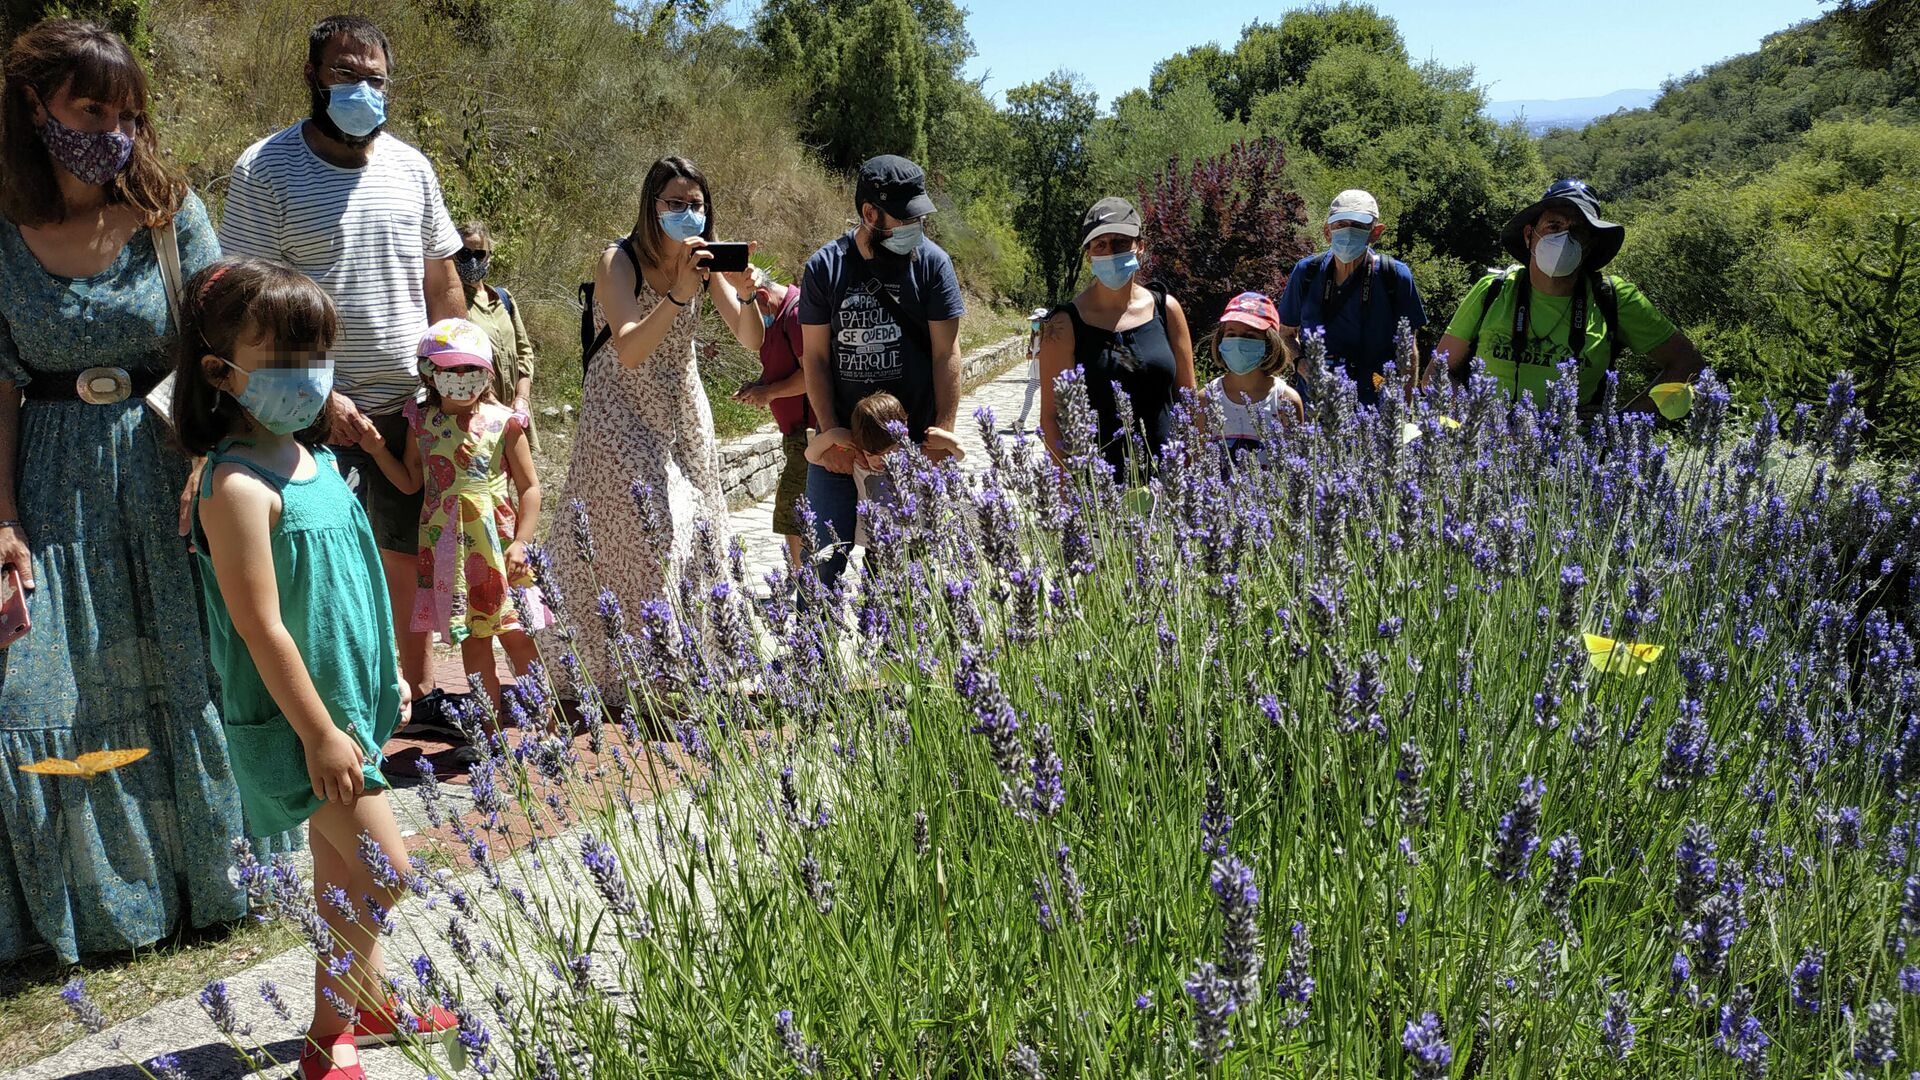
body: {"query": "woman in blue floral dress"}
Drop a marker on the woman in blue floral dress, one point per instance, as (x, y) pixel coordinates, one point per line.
(90, 494)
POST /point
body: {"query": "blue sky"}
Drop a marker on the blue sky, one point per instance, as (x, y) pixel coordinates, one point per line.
(1580, 50)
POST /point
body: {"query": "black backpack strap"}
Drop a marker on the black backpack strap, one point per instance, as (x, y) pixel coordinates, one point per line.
(1606, 293)
(1493, 293)
(597, 341)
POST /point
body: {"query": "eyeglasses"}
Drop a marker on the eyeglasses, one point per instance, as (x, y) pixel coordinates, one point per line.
(681, 206)
(348, 75)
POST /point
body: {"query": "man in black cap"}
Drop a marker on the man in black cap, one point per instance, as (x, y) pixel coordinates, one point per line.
(1525, 324)
(880, 310)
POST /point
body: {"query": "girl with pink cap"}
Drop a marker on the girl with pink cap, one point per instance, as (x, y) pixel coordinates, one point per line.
(1254, 393)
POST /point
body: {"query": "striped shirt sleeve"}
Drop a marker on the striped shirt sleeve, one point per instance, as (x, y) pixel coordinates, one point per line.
(253, 219)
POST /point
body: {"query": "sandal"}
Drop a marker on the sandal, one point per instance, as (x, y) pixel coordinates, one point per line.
(379, 1026)
(316, 1063)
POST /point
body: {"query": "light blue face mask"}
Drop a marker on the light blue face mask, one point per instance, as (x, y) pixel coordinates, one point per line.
(905, 238)
(1242, 355)
(1349, 244)
(285, 400)
(1114, 271)
(356, 108)
(684, 225)
(766, 320)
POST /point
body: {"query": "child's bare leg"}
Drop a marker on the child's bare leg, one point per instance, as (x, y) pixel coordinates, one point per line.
(334, 834)
(476, 655)
(795, 555)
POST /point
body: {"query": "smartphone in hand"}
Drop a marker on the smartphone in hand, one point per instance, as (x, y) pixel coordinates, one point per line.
(725, 257)
(14, 623)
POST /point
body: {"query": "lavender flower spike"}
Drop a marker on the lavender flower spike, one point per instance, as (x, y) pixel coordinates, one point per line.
(1426, 1043)
(1517, 835)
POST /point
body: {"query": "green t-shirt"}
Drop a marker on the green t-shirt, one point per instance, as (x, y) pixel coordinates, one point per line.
(1548, 325)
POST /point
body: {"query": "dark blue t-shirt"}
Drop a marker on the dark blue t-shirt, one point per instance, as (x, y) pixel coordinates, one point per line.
(1360, 335)
(871, 352)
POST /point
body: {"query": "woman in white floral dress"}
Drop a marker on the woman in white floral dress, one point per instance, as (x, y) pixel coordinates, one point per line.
(644, 419)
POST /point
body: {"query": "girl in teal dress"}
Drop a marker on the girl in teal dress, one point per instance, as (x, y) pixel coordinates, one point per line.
(90, 516)
(299, 624)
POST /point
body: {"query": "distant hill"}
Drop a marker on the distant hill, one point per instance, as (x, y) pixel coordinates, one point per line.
(1541, 115)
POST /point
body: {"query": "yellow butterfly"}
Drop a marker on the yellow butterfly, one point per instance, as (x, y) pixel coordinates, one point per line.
(86, 766)
(1411, 431)
(1673, 399)
(1623, 657)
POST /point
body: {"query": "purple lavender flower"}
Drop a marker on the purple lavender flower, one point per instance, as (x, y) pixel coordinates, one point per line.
(1805, 982)
(1616, 1028)
(820, 890)
(1426, 1044)
(270, 993)
(1143, 1000)
(85, 1012)
(1213, 1009)
(604, 868)
(1239, 901)
(1049, 783)
(1556, 892)
(167, 1067)
(1740, 1036)
(1215, 822)
(922, 838)
(219, 1009)
(1517, 835)
(1024, 1060)
(1042, 896)
(1679, 973)
(1698, 871)
(1909, 978)
(1070, 885)
(1295, 986)
(1412, 798)
(1712, 934)
(1874, 1040)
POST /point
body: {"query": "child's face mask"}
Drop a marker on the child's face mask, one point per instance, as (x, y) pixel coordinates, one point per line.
(285, 397)
(461, 384)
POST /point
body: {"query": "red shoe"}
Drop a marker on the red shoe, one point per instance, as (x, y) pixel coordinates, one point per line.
(378, 1027)
(317, 1063)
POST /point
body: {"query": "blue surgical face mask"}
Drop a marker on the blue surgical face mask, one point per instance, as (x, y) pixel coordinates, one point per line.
(684, 225)
(356, 108)
(1557, 254)
(1349, 244)
(766, 320)
(285, 400)
(905, 238)
(1242, 354)
(1114, 271)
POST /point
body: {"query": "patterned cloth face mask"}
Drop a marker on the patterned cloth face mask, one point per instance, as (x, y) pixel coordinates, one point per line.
(462, 385)
(285, 399)
(93, 157)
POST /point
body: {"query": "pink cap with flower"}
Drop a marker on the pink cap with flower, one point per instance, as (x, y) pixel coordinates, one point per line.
(1252, 309)
(452, 343)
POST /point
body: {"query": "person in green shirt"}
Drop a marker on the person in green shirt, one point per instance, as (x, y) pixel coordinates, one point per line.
(1524, 322)
(490, 307)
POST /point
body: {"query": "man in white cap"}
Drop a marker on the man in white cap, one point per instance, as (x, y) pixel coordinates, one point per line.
(1354, 294)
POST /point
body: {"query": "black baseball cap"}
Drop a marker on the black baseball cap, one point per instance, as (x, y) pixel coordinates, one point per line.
(1111, 216)
(895, 185)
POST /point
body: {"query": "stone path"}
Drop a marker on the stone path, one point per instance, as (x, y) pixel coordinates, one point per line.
(181, 1028)
(1004, 394)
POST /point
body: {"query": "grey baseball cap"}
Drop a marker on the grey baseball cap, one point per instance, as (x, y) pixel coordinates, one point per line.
(1111, 216)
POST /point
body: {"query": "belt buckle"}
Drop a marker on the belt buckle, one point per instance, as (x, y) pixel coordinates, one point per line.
(104, 385)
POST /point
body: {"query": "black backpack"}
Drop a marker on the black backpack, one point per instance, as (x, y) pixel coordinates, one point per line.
(592, 340)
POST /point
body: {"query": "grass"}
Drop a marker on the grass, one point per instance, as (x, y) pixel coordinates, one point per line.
(34, 1023)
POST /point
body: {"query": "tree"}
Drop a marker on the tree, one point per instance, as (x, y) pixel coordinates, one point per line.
(1135, 144)
(1867, 307)
(1050, 122)
(1227, 224)
(1881, 30)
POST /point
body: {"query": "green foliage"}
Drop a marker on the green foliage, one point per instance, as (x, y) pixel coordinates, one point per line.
(1268, 58)
(987, 252)
(1738, 117)
(1880, 30)
(1862, 311)
(1050, 121)
(1141, 138)
(128, 18)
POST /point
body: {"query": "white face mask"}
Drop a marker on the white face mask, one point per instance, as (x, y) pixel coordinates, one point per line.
(461, 385)
(1557, 254)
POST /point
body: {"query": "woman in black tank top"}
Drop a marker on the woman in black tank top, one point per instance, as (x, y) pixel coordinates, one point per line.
(1118, 331)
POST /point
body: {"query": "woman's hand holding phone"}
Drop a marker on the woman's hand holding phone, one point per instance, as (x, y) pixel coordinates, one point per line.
(689, 269)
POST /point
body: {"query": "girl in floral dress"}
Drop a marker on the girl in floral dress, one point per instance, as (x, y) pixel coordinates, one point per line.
(465, 447)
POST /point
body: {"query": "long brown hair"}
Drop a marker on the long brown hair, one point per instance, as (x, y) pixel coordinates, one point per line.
(239, 298)
(649, 238)
(91, 62)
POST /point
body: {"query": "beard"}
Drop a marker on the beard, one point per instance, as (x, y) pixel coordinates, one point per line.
(319, 97)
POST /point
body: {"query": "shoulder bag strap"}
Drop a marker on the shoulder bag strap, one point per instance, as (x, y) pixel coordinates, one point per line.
(922, 333)
(166, 249)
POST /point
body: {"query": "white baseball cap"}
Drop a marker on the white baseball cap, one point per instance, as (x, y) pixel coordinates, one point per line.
(1353, 205)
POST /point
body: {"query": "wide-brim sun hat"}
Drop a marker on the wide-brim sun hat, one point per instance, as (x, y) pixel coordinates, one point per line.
(1573, 195)
(453, 343)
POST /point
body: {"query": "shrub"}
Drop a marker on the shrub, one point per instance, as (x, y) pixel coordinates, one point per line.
(1229, 224)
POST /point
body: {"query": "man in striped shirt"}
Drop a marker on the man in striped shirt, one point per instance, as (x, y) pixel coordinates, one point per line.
(351, 206)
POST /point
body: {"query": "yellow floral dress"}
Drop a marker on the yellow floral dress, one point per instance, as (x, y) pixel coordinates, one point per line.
(466, 524)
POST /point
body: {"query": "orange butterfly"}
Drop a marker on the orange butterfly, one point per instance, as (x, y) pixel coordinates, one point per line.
(86, 766)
